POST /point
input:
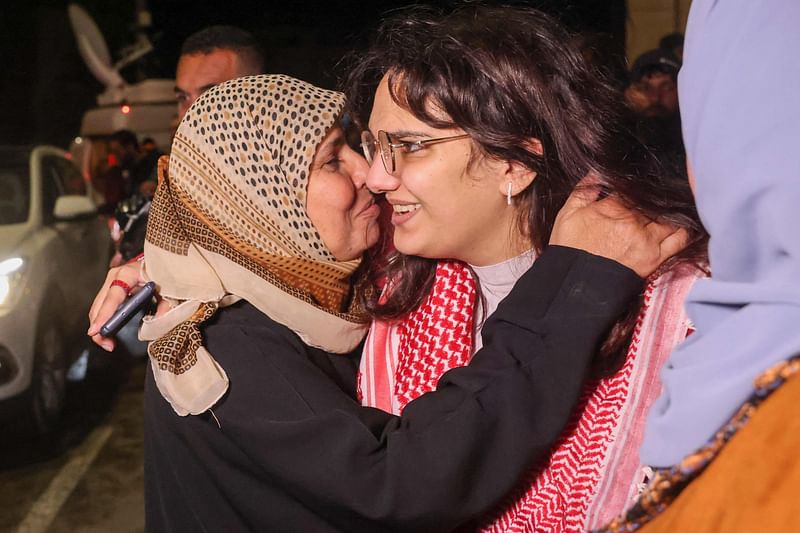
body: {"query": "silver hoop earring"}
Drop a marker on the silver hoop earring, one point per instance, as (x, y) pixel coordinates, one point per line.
(508, 194)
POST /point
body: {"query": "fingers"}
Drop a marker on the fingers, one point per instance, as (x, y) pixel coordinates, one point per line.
(658, 231)
(590, 180)
(105, 343)
(585, 192)
(163, 307)
(113, 297)
(163, 168)
(101, 295)
(612, 209)
(108, 299)
(674, 243)
(606, 227)
(655, 243)
(582, 221)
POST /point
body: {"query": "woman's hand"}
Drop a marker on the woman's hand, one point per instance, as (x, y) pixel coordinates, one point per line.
(109, 298)
(606, 228)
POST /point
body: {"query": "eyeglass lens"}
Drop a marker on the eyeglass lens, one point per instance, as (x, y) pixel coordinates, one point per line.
(387, 151)
(369, 145)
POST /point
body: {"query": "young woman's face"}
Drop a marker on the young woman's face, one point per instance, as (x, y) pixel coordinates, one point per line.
(443, 206)
(338, 203)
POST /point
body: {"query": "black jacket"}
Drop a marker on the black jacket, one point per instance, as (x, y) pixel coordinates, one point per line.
(288, 450)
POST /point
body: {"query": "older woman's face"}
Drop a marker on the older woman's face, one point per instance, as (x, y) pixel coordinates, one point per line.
(339, 205)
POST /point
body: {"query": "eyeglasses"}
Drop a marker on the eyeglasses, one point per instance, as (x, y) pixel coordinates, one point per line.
(388, 147)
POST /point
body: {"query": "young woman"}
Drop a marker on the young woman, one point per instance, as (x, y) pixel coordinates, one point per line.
(255, 232)
(481, 122)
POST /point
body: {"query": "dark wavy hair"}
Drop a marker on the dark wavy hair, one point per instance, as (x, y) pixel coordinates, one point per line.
(507, 75)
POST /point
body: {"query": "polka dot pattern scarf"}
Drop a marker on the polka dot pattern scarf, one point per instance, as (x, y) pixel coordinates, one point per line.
(229, 222)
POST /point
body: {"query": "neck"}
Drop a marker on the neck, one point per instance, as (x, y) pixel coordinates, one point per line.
(501, 244)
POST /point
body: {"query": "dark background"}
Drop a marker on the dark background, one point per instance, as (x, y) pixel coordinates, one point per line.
(45, 87)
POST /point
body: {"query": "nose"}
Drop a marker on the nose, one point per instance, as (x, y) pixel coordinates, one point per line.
(358, 168)
(378, 180)
(651, 95)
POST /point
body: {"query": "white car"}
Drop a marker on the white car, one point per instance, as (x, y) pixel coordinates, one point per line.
(54, 253)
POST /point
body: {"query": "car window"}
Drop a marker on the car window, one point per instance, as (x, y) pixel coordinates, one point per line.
(52, 186)
(14, 193)
(14, 185)
(71, 179)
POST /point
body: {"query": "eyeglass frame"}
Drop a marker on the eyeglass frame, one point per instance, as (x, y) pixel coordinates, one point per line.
(377, 142)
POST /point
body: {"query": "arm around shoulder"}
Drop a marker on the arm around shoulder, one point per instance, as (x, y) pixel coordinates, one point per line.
(455, 452)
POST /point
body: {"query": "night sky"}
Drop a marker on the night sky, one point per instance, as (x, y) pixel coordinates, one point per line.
(45, 87)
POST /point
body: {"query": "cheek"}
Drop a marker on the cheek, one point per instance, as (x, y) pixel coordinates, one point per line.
(671, 98)
(340, 195)
(452, 198)
(445, 221)
(430, 186)
(329, 200)
(444, 180)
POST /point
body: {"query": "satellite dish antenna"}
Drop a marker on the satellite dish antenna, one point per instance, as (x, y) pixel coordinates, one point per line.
(92, 47)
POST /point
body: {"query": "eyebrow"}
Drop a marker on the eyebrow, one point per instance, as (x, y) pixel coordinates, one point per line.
(324, 150)
(408, 133)
(202, 89)
(338, 140)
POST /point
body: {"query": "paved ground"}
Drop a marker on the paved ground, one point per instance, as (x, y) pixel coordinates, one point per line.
(88, 476)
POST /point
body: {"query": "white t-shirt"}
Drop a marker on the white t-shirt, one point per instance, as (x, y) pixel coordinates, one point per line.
(496, 281)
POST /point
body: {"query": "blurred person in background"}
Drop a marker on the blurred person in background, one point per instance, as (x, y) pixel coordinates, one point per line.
(135, 173)
(136, 169)
(211, 56)
(148, 145)
(674, 43)
(208, 57)
(652, 90)
(652, 95)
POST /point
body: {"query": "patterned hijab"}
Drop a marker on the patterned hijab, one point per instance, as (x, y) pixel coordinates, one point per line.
(739, 89)
(229, 222)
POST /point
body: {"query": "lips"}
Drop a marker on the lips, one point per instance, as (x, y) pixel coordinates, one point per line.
(403, 211)
(370, 209)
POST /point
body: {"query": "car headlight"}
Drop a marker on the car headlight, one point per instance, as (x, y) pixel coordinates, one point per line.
(10, 274)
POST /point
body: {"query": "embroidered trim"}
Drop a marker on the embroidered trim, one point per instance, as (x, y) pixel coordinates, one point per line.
(668, 483)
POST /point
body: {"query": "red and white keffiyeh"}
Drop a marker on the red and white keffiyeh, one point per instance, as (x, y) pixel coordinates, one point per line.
(593, 472)
(404, 359)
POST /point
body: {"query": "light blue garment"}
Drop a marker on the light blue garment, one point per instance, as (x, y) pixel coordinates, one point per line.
(739, 93)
